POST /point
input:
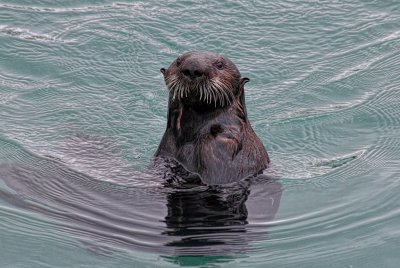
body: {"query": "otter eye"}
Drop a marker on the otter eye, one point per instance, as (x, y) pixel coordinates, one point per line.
(178, 61)
(219, 64)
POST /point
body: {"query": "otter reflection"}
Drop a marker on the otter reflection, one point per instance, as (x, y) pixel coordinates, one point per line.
(218, 220)
(204, 219)
(195, 212)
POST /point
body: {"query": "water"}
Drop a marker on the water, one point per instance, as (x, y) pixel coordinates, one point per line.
(83, 108)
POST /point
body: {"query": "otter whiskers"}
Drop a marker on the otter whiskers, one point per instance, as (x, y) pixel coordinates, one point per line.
(210, 91)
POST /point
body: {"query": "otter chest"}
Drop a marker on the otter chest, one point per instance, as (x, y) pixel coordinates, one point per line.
(194, 137)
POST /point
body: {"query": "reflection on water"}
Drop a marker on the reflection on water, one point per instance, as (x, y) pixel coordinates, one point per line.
(216, 222)
(166, 219)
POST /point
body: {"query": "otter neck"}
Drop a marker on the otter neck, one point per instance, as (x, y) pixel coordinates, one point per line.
(186, 121)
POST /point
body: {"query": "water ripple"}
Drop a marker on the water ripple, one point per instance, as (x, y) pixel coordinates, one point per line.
(81, 91)
(116, 216)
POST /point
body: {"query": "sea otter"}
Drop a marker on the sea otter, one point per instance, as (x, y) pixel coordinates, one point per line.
(208, 131)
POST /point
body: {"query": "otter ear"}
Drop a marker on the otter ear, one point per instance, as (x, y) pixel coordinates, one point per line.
(162, 70)
(240, 95)
(243, 81)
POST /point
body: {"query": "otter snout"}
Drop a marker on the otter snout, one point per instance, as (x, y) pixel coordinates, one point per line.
(193, 69)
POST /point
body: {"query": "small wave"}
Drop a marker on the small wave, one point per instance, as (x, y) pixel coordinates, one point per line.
(337, 162)
(124, 6)
(29, 35)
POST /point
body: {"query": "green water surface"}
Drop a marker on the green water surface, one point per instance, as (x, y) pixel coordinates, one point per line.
(80, 86)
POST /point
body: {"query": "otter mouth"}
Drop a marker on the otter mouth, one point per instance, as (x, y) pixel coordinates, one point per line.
(212, 91)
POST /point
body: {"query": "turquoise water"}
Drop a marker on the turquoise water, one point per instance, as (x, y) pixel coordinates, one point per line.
(83, 108)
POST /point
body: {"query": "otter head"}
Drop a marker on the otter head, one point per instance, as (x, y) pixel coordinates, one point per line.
(204, 79)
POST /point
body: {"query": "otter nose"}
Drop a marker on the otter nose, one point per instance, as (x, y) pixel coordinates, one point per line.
(192, 71)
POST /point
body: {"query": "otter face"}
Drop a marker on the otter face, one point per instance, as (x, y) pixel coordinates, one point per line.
(203, 78)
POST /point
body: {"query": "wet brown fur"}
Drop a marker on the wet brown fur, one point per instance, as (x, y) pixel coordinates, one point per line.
(207, 129)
